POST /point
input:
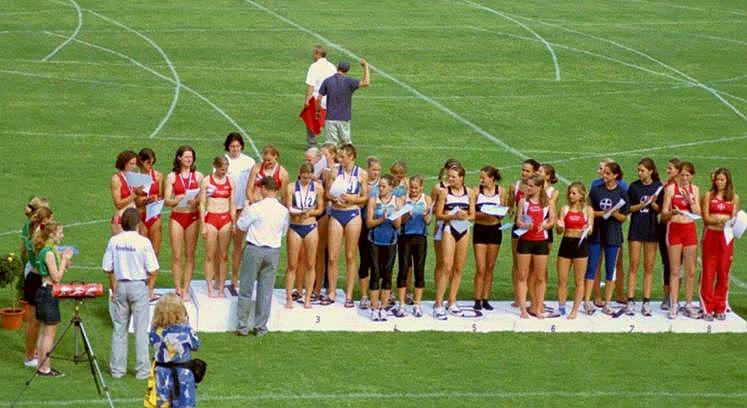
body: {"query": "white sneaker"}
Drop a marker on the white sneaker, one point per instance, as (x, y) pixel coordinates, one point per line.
(31, 363)
(439, 313)
(364, 303)
(455, 310)
(382, 315)
(630, 308)
(417, 311)
(374, 315)
(646, 310)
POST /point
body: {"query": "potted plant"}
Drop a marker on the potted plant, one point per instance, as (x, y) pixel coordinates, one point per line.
(11, 270)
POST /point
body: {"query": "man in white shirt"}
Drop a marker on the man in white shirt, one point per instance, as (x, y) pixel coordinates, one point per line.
(129, 260)
(319, 70)
(265, 223)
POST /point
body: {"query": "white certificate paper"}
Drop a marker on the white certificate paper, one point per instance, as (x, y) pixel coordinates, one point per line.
(188, 195)
(153, 210)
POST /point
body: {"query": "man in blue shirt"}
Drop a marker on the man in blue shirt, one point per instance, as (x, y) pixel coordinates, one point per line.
(339, 90)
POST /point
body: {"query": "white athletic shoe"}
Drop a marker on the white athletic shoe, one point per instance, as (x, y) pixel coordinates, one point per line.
(439, 313)
(374, 315)
(364, 303)
(383, 315)
(630, 308)
(455, 310)
(646, 310)
(417, 311)
(31, 363)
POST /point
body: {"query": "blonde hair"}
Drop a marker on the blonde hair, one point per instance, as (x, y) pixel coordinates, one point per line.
(42, 235)
(34, 204)
(169, 311)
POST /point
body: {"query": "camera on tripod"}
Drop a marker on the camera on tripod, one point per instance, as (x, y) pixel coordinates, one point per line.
(77, 290)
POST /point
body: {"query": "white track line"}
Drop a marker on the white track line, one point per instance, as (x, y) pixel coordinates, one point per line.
(737, 281)
(177, 82)
(363, 96)
(524, 26)
(734, 12)
(74, 224)
(75, 33)
(594, 54)
(183, 86)
(373, 396)
(712, 91)
(409, 88)
(103, 136)
(651, 149)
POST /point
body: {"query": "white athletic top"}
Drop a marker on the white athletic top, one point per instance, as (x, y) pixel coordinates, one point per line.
(238, 170)
(320, 70)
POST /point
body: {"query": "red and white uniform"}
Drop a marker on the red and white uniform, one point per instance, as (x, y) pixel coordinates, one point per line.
(717, 257)
(574, 220)
(682, 233)
(275, 174)
(538, 214)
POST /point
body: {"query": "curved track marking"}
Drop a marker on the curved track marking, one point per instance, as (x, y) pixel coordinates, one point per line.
(174, 74)
(183, 86)
(715, 92)
(524, 26)
(420, 95)
(69, 39)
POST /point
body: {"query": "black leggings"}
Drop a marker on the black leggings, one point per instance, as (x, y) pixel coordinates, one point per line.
(382, 265)
(366, 262)
(412, 250)
(661, 235)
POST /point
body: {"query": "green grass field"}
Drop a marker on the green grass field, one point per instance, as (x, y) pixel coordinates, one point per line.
(488, 83)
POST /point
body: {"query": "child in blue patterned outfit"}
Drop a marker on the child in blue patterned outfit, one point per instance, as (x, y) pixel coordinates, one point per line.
(173, 340)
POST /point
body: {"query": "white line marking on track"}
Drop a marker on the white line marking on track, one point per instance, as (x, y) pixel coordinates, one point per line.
(72, 36)
(409, 88)
(183, 86)
(175, 75)
(679, 6)
(74, 224)
(712, 91)
(524, 26)
(371, 396)
(177, 82)
(737, 281)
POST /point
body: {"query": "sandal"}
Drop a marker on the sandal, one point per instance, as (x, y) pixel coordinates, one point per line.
(349, 303)
(325, 301)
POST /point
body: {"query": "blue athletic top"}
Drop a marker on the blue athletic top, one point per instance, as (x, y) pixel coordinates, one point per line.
(609, 231)
(384, 234)
(353, 182)
(399, 191)
(415, 225)
(304, 201)
(642, 222)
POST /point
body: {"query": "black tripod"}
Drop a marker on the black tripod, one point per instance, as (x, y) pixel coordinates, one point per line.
(98, 378)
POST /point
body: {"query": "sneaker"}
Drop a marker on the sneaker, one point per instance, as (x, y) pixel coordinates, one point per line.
(382, 315)
(561, 310)
(51, 373)
(417, 311)
(665, 304)
(720, 316)
(399, 311)
(295, 295)
(33, 362)
(607, 310)
(692, 311)
(478, 305)
(409, 300)
(589, 309)
(439, 313)
(486, 305)
(630, 308)
(672, 313)
(646, 310)
(708, 317)
(374, 315)
(455, 310)
(364, 303)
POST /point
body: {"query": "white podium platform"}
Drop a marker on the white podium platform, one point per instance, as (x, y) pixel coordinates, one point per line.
(219, 315)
